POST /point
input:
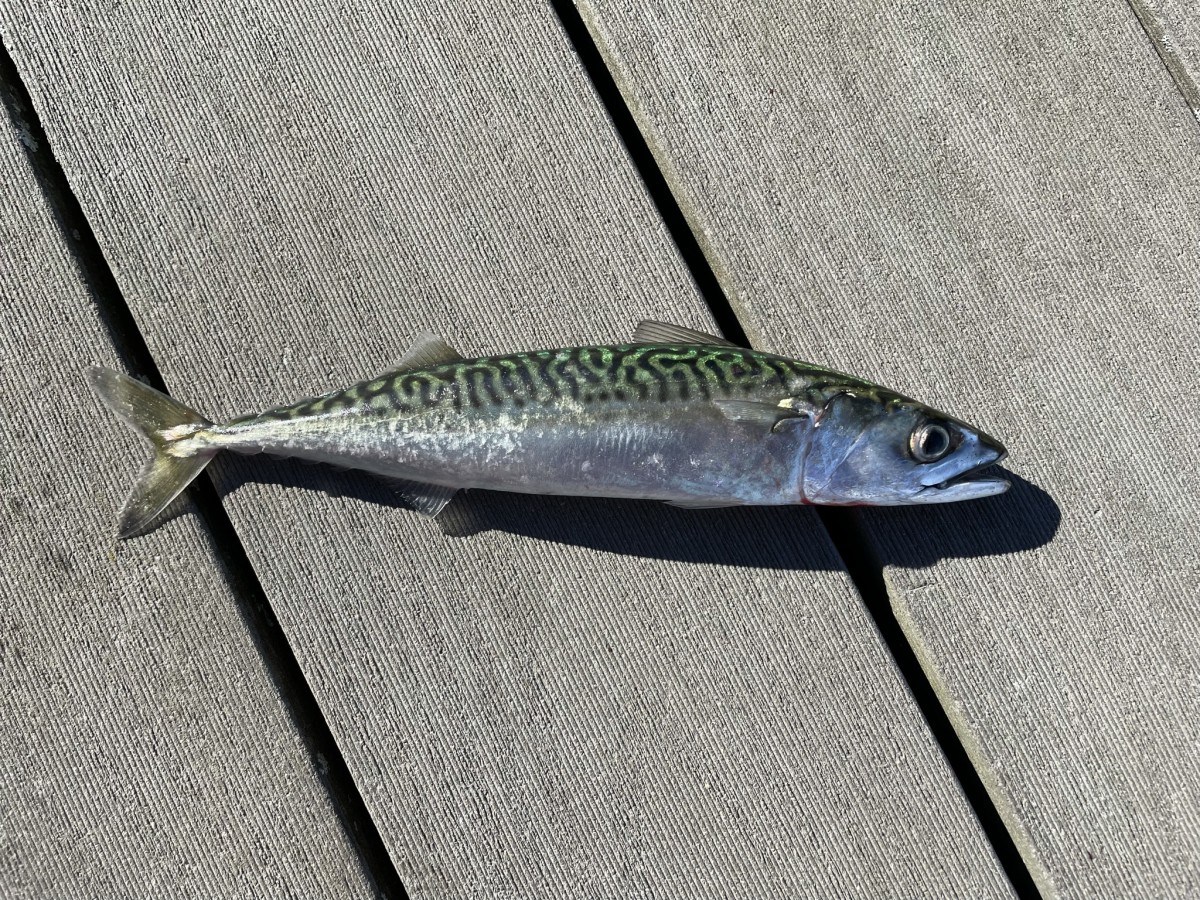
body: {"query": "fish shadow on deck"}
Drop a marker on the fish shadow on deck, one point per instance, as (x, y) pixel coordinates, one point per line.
(786, 538)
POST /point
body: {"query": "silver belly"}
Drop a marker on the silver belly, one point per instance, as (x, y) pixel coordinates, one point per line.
(682, 455)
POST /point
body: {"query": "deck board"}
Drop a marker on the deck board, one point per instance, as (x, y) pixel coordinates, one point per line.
(1174, 30)
(995, 210)
(144, 746)
(579, 699)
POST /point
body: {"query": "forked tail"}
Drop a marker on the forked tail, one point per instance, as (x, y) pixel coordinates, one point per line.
(163, 422)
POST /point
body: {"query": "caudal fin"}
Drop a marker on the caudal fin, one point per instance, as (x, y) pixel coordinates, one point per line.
(162, 421)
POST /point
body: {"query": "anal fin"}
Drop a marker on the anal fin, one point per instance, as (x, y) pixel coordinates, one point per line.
(427, 499)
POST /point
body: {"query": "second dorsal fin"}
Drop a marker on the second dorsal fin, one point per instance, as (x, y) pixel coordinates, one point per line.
(649, 331)
(427, 350)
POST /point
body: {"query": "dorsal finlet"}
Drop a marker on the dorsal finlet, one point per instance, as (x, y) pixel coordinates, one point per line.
(649, 331)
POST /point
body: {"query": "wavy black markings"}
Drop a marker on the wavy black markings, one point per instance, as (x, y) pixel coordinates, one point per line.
(593, 364)
(713, 371)
(564, 375)
(595, 376)
(540, 366)
(846, 532)
(417, 389)
(625, 364)
(481, 378)
(660, 365)
(517, 380)
(379, 396)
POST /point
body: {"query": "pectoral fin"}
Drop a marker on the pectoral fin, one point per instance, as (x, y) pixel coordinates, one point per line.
(767, 416)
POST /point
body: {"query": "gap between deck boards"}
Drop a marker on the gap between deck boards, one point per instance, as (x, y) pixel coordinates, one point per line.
(1176, 68)
(253, 606)
(843, 526)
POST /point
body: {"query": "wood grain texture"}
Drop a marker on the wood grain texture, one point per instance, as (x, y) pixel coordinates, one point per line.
(144, 747)
(581, 699)
(995, 210)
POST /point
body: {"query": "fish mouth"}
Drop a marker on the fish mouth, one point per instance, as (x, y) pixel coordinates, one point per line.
(969, 484)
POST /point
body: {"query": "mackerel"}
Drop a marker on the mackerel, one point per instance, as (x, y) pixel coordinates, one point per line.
(676, 415)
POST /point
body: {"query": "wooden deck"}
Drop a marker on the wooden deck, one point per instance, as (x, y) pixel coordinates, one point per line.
(296, 687)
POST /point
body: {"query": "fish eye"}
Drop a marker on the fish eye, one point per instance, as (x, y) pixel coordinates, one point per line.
(929, 442)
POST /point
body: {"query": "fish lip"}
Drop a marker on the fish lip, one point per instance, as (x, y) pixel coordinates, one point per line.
(967, 485)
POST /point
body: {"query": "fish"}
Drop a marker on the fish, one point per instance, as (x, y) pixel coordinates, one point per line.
(675, 415)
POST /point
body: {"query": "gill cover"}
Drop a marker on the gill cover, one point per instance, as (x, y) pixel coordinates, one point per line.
(882, 449)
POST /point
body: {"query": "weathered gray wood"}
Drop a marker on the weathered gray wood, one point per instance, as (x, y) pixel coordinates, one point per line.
(996, 209)
(578, 699)
(144, 750)
(1174, 29)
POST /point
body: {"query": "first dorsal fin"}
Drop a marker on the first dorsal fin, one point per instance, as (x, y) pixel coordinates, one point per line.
(649, 331)
(427, 350)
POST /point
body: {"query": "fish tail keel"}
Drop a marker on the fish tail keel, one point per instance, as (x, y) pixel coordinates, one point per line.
(171, 428)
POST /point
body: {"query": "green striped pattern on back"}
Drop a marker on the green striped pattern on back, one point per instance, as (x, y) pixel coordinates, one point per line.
(585, 375)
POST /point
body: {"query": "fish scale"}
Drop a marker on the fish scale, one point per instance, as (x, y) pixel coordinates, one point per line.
(676, 415)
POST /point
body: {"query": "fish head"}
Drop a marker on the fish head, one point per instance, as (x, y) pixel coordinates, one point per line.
(877, 448)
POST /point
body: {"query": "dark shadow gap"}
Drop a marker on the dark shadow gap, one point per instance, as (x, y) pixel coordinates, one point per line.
(647, 168)
(846, 532)
(254, 608)
(866, 571)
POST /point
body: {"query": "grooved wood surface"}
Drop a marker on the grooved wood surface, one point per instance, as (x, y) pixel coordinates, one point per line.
(1174, 29)
(997, 210)
(144, 749)
(568, 698)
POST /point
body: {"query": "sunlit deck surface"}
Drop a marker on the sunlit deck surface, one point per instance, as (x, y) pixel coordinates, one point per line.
(296, 687)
